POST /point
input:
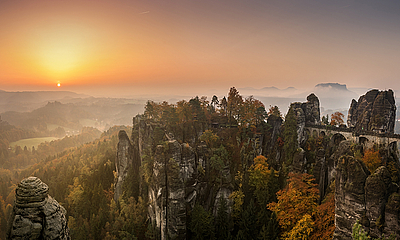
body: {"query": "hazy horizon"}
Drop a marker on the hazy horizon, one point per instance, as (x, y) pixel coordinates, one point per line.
(194, 48)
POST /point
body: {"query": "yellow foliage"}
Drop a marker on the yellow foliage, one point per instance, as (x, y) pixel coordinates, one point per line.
(302, 230)
(372, 159)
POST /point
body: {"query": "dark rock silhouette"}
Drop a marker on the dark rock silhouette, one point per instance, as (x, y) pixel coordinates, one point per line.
(307, 113)
(36, 215)
(374, 111)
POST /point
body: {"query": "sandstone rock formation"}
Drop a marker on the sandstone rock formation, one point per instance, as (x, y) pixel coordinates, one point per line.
(372, 199)
(36, 215)
(374, 111)
(307, 113)
(123, 162)
(180, 176)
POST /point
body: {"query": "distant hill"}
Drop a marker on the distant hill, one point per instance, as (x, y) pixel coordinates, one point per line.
(100, 113)
(30, 100)
(270, 91)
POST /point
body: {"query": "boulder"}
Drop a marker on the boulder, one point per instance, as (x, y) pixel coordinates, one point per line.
(36, 215)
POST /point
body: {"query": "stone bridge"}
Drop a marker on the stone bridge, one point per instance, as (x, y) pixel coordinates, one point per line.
(340, 133)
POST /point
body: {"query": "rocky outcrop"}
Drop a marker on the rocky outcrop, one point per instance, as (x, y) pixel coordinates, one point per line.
(270, 145)
(307, 113)
(351, 175)
(374, 111)
(311, 110)
(36, 215)
(123, 162)
(377, 190)
(180, 176)
(372, 199)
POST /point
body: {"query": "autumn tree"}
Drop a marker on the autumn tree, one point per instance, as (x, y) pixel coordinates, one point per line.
(265, 181)
(235, 102)
(325, 219)
(302, 230)
(337, 119)
(262, 179)
(252, 113)
(274, 110)
(372, 159)
(297, 200)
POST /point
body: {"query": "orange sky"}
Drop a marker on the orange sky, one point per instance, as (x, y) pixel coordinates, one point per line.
(181, 46)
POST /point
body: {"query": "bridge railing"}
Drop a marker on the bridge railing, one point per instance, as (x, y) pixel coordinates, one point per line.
(352, 130)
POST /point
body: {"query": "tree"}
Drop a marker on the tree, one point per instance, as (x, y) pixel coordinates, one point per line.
(372, 159)
(325, 219)
(209, 138)
(262, 178)
(337, 119)
(325, 120)
(235, 102)
(359, 233)
(274, 110)
(297, 199)
(202, 223)
(302, 230)
(222, 221)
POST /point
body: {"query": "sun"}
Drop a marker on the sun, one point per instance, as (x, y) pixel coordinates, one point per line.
(58, 84)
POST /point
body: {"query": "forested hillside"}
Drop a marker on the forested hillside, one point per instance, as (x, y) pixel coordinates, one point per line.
(78, 177)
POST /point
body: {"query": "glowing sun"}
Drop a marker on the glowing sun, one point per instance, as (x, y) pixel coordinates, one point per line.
(58, 84)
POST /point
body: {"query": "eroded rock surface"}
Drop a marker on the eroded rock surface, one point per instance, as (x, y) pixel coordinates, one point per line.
(374, 111)
(180, 176)
(36, 215)
(371, 198)
(307, 113)
(123, 162)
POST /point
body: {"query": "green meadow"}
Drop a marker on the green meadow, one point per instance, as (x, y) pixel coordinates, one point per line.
(29, 142)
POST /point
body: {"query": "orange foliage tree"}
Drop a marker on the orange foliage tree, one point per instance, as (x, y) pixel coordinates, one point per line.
(296, 200)
(372, 159)
(325, 219)
(337, 119)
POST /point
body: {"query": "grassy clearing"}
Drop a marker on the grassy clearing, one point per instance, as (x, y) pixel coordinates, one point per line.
(88, 122)
(51, 127)
(29, 142)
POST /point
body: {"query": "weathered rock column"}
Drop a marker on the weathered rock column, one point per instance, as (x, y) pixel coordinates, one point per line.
(36, 215)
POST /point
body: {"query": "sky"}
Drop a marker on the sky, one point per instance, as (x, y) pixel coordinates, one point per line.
(188, 47)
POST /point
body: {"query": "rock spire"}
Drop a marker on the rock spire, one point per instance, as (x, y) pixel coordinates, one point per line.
(36, 215)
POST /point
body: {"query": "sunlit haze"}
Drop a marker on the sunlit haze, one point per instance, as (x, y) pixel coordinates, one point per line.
(190, 47)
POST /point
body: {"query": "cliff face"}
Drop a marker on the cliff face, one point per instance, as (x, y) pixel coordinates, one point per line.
(36, 215)
(123, 162)
(179, 178)
(359, 195)
(374, 111)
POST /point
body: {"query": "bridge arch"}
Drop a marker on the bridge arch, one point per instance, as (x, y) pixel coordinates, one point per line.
(363, 140)
(337, 138)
